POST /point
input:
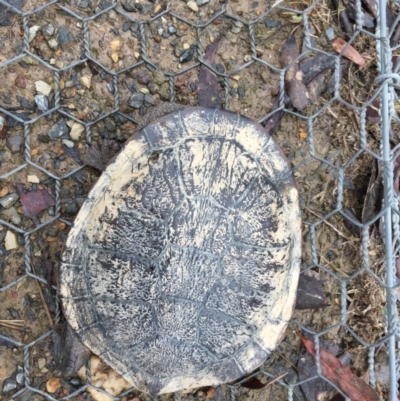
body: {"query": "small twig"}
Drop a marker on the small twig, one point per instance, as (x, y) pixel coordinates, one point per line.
(13, 324)
(276, 379)
(46, 308)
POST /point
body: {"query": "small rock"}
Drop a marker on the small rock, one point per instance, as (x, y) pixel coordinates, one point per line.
(59, 130)
(53, 43)
(111, 86)
(30, 60)
(9, 200)
(157, 39)
(43, 88)
(202, 2)
(85, 80)
(159, 77)
(187, 55)
(235, 77)
(241, 92)
(186, 46)
(3, 127)
(144, 77)
(115, 45)
(148, 100)
(10, 242)
(12, 215)
(330, 34)
(239, 24)
(64, 36)
(41, 363)
(33, 179)
(48, 30)
(42, 102)
(68, 143)
(272, 24)
(71, 209)
(145, 91)
(236, 29)
(220, 68)
(193, 6)
(20, 81)
(136, 100)
(172, 30)
(53, 384)
(9, 385)
(14, 143)
(32, 32)
(76, 131)
(19, 377)
(114, 57)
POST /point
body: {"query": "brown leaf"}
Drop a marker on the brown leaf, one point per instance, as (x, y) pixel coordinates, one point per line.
(309, 291)
(99, 156)
(208, 83)
(334, 370)
(295, 88)
(316, 65)
(373, 197)
(351, 53)
(34, 202)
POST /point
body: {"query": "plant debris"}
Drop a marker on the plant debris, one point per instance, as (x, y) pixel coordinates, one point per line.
(351, 53)
(295, 87)
(309, 291)
(334, 370)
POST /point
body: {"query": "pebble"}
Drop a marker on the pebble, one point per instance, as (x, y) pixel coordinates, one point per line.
(76, 131)
(235, 29)
(71, 209)
(14, 143)
(186, 46)
(43, 88)
(187, 55)
(68, 143)
(32, 32)
(59, 130)
(10, 242)
(20, 81)
(235, 77)
(19, 377)
(159, 77)
(41, 363)
(148, 100)
(53, 384)
(145, 91)
(202, 2)
(115, 57)
(270, 23)
(3, 127)
(220, 68)
(64, 36)
(239, 24)
(115, 45)
(9, 385)
(42, 102)
(193, 6)
(33, 179)
(48, 30)
(112, 14)
(144, 77)
(172, 30)
(111, 87)
(12, 215)
(330, 34)
(29, 315)
(241, 92)
(53, 43)
(30, 60)
(85, 80)
(136, 100)
(9, 200)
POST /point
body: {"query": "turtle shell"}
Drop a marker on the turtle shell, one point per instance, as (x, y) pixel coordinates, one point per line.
(182, 266)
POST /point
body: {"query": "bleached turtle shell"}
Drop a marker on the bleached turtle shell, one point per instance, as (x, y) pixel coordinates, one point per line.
(182, 266)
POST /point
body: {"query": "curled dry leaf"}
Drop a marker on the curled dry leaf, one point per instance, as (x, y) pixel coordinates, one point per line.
(351, 53)
(334, 370)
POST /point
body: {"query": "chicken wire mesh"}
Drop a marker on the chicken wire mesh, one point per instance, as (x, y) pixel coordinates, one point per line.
(97, 67)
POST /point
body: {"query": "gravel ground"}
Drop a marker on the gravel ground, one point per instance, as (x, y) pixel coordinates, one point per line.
(89, 90)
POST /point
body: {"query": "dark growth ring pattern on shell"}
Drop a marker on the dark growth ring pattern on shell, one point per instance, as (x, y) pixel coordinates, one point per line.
(182, 266)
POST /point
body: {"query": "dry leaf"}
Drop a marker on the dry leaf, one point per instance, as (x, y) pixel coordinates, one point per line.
(34, 202)
(354, 387)
(351, 53)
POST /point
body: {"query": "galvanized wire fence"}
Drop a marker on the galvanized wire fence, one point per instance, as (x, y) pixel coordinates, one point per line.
(142, 24)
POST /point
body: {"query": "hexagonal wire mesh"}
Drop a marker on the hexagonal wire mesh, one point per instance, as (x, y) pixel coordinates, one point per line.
(60, 70)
